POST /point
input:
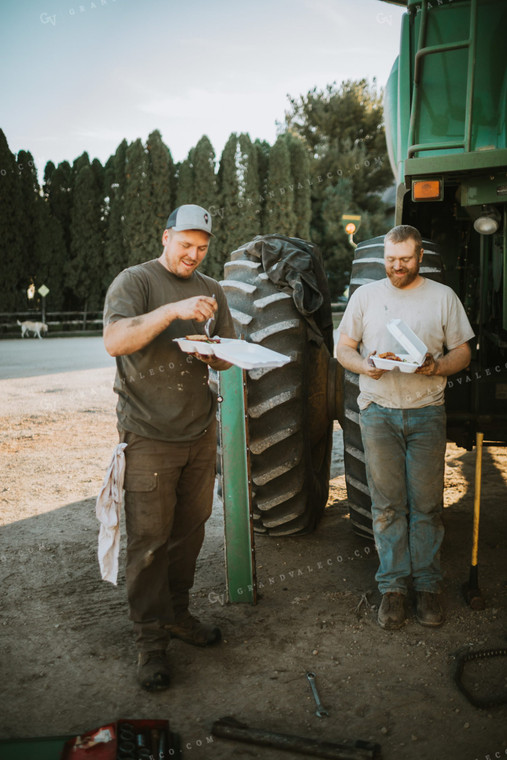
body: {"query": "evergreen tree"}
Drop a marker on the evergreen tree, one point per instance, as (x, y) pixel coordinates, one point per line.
(262, 149)
(185, 193)
(229, 234)
(138, 220)
(239, 199)
(83, 271)
(300, 170)
(204, 184)
(205, 193)
(29, 187)
(249, 190)
(161, 168)
(50, 254)
(280, 215)
(98, 172)
(58, 190)
(115, 248)
(79, 162)
(13, 262)
(52, 241)
(49, 170)
(337, 200)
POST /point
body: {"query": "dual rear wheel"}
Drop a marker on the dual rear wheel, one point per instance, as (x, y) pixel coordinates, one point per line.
(290, 408)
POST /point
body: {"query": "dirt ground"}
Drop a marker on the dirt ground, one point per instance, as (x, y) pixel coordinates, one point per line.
(67, 654)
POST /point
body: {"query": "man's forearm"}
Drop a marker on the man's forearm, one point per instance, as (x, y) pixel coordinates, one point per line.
(454, 361)
(134, 333)
(350, 359)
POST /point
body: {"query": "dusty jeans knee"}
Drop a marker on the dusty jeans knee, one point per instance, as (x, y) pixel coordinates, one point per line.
(405, 457)
(168, 498)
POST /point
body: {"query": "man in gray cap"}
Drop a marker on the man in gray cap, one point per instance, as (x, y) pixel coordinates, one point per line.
(166, 416)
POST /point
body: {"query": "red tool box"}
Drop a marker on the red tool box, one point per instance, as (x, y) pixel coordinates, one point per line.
(124, 740)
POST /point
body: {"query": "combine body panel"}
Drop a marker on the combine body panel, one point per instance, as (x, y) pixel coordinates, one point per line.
(446, 125)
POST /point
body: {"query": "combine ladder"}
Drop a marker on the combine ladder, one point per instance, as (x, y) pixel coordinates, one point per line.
(422, 52)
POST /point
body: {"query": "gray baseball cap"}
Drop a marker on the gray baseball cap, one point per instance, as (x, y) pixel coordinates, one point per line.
(190, 217)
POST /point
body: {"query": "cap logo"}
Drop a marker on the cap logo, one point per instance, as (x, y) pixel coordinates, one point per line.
(206, 218)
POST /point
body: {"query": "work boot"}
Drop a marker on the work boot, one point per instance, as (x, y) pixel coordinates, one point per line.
(428, 609)
(189, 629)
(153, 670)
(391, 614)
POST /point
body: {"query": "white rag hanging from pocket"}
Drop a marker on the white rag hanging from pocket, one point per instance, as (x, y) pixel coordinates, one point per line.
(107, 509)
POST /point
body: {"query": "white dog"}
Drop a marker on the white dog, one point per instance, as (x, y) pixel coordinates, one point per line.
(37, 328)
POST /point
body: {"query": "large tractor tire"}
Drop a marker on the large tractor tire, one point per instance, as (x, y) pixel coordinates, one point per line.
(290, 408)
(368, 266)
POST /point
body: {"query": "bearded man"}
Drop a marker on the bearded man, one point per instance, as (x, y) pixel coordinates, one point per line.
(403, 422)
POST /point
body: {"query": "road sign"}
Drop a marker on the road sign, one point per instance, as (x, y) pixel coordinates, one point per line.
(43, 291)
(351, 223)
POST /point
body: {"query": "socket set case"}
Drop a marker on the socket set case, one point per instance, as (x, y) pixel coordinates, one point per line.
(124, 740)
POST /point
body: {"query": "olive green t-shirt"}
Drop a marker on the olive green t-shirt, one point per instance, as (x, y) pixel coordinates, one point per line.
(163, 393)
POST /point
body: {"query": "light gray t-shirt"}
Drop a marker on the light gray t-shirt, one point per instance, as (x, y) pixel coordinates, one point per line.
(163, 393)
(432, 310)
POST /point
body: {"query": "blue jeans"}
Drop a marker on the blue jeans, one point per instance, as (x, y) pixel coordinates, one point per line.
(405, 458)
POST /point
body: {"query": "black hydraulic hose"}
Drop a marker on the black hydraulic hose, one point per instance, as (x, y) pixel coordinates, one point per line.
(461, 660)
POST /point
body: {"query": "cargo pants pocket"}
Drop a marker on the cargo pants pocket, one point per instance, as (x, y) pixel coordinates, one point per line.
(144, 508)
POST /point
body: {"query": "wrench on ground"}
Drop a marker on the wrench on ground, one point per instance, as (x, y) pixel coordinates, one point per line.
(321, 711)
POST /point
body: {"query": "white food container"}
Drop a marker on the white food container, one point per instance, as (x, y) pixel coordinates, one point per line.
(415, 348)
(239, 352)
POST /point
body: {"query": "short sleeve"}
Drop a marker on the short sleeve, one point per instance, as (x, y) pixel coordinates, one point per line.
(457, 329)
(126, 297)
(352, 320)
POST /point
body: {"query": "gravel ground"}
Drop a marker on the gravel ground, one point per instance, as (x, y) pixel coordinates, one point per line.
(68, 659)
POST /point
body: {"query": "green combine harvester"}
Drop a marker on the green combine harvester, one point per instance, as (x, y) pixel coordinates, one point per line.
(446, 128)
(445, 114)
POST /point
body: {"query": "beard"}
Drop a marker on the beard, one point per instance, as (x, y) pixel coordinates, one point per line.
(403, 279)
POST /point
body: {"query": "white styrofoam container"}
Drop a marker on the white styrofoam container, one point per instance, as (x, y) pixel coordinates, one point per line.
(414, 346)
(239, 352)
(195, 346)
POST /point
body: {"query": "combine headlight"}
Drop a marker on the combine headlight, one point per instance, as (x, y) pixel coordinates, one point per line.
(488, 222)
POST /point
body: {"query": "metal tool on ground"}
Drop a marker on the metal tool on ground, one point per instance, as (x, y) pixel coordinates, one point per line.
(471, 589)
(343, 749)
(208, 322)
(321, 711)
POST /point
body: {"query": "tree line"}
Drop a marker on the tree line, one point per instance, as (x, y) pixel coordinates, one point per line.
(87, 221)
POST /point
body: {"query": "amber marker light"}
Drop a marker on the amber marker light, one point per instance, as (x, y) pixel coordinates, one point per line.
(427, 190)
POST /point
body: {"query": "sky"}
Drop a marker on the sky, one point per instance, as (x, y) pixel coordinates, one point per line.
(82, 75)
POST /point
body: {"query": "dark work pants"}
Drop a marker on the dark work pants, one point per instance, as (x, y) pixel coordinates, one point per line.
(168, 498)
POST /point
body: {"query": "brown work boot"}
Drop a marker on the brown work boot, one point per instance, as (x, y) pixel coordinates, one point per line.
(189, 629)
(153, 670)
(428, 609)
(391, 614)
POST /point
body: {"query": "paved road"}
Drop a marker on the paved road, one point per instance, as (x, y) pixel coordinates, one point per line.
(30, 357)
